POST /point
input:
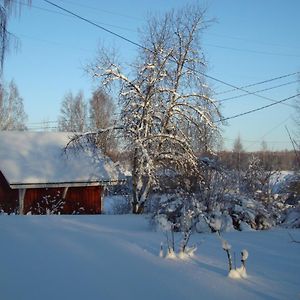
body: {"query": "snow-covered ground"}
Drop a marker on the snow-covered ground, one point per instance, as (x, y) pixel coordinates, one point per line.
(117, 257)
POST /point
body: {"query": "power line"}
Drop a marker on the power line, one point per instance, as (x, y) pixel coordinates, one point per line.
(243, 90)
(258, 109)
(68, 15)
(97, 25)
(232, 117)
(42, 8)
(41, 123)
(203, 74)
(102, 10)
(252, 51)
(259, 91)
(260, 82)
(42, 128)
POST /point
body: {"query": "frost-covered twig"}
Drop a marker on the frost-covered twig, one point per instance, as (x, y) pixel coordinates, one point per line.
(226, 247)
(239, 273)
(244, 255)
(77, 138)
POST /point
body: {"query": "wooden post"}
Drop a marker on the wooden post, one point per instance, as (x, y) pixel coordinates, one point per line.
(21, 201)
(65, 192)
(102, 188)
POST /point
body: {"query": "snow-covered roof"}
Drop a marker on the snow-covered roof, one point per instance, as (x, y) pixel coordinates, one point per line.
(34, 159)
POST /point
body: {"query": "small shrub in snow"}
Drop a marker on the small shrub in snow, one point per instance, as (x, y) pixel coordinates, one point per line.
(227, 247)
(187, 224)
(234, 273)
(163, 223)
(167, 227)
(244, 255)
(240, 272)
(179, 212)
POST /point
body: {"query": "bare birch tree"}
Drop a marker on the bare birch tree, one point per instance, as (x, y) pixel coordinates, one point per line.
(7, 7)
(101, 109)
(73, 113)
(165, 94)
(12, 114)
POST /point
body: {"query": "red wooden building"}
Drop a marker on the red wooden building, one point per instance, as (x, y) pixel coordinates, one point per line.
(38, 177)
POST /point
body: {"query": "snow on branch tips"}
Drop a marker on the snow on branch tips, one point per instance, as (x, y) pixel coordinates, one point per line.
(88, 140)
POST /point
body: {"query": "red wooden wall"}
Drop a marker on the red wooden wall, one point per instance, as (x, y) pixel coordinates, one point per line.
(88, 197)
(9, 199)
(78, 200)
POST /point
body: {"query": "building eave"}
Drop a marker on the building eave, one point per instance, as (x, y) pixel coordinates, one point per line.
(64, 184)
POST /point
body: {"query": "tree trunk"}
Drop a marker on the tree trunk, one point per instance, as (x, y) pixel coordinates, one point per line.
(135, 197)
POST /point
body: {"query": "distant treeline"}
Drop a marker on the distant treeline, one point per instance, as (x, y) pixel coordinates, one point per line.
(271, 160)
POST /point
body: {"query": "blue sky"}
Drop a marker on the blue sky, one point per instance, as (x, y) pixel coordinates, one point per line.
(249, 41)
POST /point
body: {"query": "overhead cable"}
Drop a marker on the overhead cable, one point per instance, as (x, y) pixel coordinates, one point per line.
(258, 109)
(260, 82)
(259, 91)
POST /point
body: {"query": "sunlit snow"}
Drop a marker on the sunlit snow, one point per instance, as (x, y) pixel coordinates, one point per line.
(117, 257)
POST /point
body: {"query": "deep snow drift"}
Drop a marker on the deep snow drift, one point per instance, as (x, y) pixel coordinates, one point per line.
(117, 257)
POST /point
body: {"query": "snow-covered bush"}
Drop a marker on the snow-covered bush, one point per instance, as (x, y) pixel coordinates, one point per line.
(167, 228)
(120, 205)
(256, 180)
(220, 205)
(215, 183)
(177, 213)
(225, 208)
(243, 209)
(291, 218)
(117, 198)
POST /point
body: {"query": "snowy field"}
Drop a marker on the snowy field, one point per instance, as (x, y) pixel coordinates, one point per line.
(116, 257)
